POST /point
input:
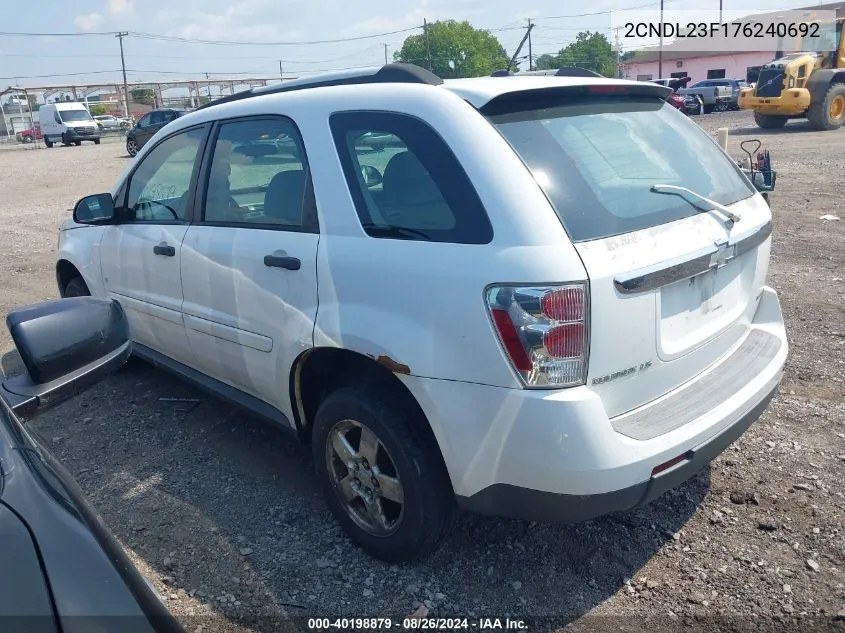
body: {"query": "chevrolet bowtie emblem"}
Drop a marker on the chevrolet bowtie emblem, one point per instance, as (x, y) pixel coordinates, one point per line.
(724, 253)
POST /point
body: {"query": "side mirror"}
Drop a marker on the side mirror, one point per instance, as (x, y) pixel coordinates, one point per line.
(66, 346)
(96, 209)
(372, 176)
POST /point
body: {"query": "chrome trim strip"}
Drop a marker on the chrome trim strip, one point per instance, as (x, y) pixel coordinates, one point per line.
(653, 277)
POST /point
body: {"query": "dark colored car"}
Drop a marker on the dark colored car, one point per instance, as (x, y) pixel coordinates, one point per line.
(62, 569)
(688, 104)
(148, 125)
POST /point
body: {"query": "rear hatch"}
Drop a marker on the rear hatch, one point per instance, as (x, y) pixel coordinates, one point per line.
(672, 288)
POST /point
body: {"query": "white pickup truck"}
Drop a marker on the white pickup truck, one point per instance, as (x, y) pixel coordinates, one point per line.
(715, 93)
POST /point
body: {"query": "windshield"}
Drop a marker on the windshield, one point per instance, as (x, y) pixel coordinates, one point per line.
(597, 160)
(75, 115)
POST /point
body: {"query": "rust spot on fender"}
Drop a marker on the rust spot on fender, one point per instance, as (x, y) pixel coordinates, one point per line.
(392, 365)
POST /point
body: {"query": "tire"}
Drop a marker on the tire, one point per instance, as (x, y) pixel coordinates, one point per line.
(48, 142)
(829, 112)
(76, 287)
(132, 147)
(27, 139)
(77, 143)
(707, 109)
(96, 141)
(770, 121)
(406, 452)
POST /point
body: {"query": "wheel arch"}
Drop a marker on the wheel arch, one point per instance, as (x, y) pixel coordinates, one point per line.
(821, 80)
(65, 271)
(320, 370)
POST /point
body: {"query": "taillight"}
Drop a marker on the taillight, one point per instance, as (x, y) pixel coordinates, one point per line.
(543, 331)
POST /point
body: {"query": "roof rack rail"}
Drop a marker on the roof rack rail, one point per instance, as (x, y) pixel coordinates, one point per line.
(389, 73)
(564, 71)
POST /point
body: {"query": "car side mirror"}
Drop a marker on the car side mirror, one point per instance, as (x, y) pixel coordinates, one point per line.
(96, 209)
(66, 346)
(372, 176)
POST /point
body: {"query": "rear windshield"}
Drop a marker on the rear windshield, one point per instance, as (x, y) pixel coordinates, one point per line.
(75, 115)
(596, 161)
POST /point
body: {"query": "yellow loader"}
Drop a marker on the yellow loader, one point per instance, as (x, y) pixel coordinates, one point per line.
(807, 84)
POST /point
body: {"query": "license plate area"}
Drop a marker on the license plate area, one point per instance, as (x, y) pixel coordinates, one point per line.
(695, 310)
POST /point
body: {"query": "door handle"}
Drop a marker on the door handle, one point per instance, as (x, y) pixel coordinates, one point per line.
(164, 249)
(280, 260)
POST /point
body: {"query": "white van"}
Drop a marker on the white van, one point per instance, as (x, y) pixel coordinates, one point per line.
(66, 123)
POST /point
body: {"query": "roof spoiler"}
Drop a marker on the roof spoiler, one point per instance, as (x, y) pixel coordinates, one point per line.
(539, 98)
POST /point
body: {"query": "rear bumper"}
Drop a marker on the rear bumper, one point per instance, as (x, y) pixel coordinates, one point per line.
(535, 505)
(793, 101)
(556, 456)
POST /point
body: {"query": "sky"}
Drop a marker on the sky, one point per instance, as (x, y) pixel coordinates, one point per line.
(272, 31)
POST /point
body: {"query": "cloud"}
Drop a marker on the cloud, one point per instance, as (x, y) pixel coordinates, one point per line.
(88, 21)
(414, 18)
(112, 8)
(119, 7)
(247, 20)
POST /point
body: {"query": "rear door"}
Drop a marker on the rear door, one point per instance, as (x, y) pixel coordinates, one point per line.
(671, 288)
(249, 262)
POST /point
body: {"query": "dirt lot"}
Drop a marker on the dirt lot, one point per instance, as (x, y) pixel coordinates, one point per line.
(223, 516)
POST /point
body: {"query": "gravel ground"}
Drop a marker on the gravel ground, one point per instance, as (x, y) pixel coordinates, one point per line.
(224, 517)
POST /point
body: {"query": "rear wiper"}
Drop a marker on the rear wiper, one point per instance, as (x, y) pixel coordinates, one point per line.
(400, 232)
(691, 196)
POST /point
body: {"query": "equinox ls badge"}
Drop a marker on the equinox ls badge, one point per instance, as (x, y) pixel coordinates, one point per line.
(600, 380)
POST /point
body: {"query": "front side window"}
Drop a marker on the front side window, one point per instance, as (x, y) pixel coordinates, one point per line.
(159, 188)
(597, 159)
(145, 120)
(405, 182)
(259, 175)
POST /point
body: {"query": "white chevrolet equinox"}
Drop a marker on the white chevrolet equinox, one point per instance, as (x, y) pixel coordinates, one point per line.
(535, 296)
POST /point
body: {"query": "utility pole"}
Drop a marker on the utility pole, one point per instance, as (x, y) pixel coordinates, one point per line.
(530, 50)
(660, 52)
(281, 77)
(720, 11)
(618, 54)
(427, 43)
(207, 87)
(120, 37)
(385, 54)
(519, 48)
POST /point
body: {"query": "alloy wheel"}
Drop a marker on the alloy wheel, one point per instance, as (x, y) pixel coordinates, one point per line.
(365, 478)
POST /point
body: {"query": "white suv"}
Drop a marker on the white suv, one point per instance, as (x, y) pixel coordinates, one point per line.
(539, 297)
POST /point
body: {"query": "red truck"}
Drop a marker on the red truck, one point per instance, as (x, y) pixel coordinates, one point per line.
(30, 135)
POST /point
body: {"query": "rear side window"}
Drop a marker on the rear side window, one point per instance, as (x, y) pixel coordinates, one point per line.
(596, 161)
(405, 181)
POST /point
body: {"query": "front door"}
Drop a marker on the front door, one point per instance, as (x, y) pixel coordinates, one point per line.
(141, 255)
(249, 263)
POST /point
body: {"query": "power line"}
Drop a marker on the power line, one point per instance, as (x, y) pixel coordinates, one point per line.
(228, 57)
(186, 40)
(89, 72)
(583, 15)
(26, 34)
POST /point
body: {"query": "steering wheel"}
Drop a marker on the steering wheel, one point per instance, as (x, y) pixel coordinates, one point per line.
(166, 206)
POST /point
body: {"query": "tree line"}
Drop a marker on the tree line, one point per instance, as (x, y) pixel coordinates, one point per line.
(455, 49)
